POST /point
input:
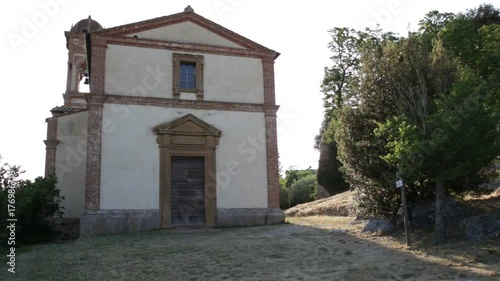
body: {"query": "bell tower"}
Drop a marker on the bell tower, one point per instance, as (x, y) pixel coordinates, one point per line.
(78, 66)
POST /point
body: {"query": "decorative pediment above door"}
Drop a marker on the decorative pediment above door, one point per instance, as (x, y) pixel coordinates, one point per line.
(188, 130)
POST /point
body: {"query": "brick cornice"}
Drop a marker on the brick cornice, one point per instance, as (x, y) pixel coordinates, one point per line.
(270, 110)
(193, 104)
(185, 47)
(94, 99)
(51, 144)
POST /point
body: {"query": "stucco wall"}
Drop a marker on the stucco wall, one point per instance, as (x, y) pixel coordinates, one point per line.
(186, 32)
(139, 71)
(130, 156)
(233, 79)
(134, 71)
(70, 162)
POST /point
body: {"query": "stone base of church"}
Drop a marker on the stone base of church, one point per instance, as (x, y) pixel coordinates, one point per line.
(101, 222)
(66, 228)
(249, 216)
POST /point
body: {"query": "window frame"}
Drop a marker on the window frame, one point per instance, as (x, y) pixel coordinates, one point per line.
(177, 60)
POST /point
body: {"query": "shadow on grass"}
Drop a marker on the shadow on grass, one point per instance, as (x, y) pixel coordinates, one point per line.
(284, 252)
(471, 255)
(390, 259)
(480, 255)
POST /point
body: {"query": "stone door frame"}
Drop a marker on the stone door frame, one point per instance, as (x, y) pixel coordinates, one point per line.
(187, 136)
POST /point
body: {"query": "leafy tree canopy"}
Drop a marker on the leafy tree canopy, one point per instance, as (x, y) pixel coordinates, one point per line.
(426, 105)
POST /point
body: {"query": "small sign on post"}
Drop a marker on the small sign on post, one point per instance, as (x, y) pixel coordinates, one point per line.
(400, 184)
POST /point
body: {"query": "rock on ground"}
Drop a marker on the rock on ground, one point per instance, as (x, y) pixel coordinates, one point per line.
(379, 226)
(481, 227)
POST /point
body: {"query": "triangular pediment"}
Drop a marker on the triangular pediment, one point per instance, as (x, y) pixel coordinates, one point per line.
(186, 32)
(187, 28)
(187, 125)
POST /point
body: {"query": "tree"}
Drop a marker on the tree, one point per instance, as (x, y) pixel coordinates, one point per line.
(9, 175)
(370, 177)
(485, 14)
(472, 37)
(447, 129)
(329, 169)
(432, 24)
(341, 79)
(462, 138)
(359, 150)
(339, 89)
(428, 107)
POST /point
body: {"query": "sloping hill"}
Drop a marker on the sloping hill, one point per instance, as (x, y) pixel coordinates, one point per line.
(338, 205)
(342, 205)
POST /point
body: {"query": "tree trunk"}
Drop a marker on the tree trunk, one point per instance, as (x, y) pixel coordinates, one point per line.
(440, 228)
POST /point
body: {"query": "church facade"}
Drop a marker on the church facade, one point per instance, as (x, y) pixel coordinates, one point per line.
(176, 129)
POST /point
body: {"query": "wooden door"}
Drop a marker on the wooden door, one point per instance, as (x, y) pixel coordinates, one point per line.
(188, 191)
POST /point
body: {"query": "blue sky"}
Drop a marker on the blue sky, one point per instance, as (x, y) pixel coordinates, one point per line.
(34, 57)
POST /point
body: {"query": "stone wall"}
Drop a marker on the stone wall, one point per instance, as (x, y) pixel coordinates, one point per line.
(101, 222)
(249, 217)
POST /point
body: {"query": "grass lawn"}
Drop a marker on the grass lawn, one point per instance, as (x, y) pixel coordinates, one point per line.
(313, 248)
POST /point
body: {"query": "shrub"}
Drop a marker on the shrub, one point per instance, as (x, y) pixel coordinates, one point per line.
(303, 190)
(36, 203)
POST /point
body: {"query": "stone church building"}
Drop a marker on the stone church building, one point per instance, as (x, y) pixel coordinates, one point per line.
(177, 127)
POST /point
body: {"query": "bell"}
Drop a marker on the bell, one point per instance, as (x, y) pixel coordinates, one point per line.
(86, 82)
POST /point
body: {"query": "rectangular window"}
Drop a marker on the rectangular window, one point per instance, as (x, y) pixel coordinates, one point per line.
(187, 76)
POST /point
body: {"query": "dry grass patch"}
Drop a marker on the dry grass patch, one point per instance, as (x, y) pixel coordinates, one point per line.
(338, 205)
(466, 259)
(484, 204)
(316, 248)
